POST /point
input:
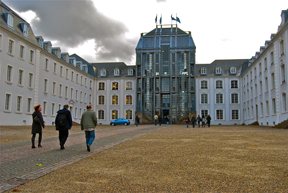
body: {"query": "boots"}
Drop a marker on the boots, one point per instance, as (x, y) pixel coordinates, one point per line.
(39, 141)
(33, 143)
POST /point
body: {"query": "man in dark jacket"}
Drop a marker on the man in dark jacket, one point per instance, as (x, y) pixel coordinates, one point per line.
(63, 122)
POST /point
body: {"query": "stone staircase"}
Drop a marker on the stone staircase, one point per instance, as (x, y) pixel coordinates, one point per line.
(283, 125)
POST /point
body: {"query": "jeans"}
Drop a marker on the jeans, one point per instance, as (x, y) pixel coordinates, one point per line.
(160, 122)
(137, 123)
(90, 136)
(155, 121)
(187, 125)
(193, 124)
(198, 123)
(208, 123)
(63, 135)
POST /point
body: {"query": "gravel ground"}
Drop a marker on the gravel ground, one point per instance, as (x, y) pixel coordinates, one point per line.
(179, 159)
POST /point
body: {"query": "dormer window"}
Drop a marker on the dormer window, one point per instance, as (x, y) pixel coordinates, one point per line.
(103, 72)
(85, 68)
(203, 71)
(25, 30)
(218, 70)
(130, 72)
(116, 72)
(233, 70)
(10, 20)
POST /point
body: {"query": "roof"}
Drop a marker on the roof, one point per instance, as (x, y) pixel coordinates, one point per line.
(91, 69)
(225, 66)
(110, 66)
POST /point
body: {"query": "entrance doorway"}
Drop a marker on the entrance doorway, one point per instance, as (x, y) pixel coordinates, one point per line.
(166, 116)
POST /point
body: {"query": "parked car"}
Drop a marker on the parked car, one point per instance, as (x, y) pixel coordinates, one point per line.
(120, 121)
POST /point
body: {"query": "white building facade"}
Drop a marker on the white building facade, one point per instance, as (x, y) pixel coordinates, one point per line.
(264, 80)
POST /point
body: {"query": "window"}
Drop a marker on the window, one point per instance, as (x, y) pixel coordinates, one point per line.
(54, 67)
(219, 98)
(71, 93)
(103, 72)
(101, 85)
(219, 84)
(85, 82)
(53, 109)
(261, 110)
(80, 96)
(203, 71)
(85, 97)
(11, 47)
(204, 84)
(114, 85)
(72, 76)
(8, 102)
(273, 80)
(77, 81)
(30, 80)
(284, 99)
(283, 73)
(265, 64)
(204, 98)
(29, 103)
(267, 108)
(128, 85)
(66, 92)
(90, 98)
(233, 70)
(20, 77)
(261, 88)
(130, 72)
(67, 73)
(272, 58)
(129, 114)
(25, 30)
(234, 98)
(9, 74)
(282, 47)
(116, 72)
(235, 114)
(114, 114)
(31, 56)
(19, 103)
(81, 80)
(61, 70)
(266, 83)
(60, 90)
(21, 54)
(234, 84)
(46, 63)
(75, 112)
(76, 95)
(44, 108)
(90, 85)
(219, 114)
(101, 100)
(100, 114)
(1, 42)
(274, 106)
(128, 100)
(54, 88)
(45, 85)
(218, 70)
(204, 113)
(10, 20)
(114, 100)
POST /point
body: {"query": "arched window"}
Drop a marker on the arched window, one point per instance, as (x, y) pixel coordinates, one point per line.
(114, 114)
(128, 100)
(218, 70)
(101, 100)
(116, 72)
(283, 74)
(219, 98)
(101, 86)
(219, 84)
(114, 100)
(103, 72)
(129, 114)
(101, 114)
(284, 99)
(114, 85)
(204, 84)
(234, 98)
(203, 71)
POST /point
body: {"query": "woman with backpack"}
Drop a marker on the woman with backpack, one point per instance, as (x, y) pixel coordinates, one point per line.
(37, 125)
(187, 121)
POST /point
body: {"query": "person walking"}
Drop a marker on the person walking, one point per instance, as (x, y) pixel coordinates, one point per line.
(199, 120)
(137, 120)
(187, 120)
(160, 120)
(155, 119)
(203, 121)
(88, 123)
(37, 125)
(193, 120)
(208, 120)
(63, 123)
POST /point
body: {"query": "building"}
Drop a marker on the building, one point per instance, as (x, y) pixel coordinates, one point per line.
(219, 91)
(115, 92)
(165, 59)
(33, 72)
(264, 80)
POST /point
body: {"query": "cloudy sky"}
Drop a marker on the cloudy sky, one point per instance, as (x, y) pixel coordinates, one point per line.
(100, 30)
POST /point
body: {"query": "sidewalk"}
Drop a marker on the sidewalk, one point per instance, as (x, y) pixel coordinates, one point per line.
(148, 158)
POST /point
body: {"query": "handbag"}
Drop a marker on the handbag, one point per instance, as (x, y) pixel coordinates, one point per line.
(36, 119)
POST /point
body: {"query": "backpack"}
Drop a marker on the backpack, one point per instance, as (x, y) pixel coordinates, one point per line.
(186, 120)
(61, 120)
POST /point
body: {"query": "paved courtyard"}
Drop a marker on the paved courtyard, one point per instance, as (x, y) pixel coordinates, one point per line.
(147, 158)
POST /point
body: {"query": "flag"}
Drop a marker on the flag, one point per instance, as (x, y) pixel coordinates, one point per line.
(160, 20)
(172, 18)
(156, 19)
(177, 19)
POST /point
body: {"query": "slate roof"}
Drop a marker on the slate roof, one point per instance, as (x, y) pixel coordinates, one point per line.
(16, 23)
(91, 69)
(110, 66)
(225, 66)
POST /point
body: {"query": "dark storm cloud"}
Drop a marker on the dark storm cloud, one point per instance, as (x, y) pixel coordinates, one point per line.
(73, 22)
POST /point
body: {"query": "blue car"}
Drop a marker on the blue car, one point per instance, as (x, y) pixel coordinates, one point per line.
(120, 121)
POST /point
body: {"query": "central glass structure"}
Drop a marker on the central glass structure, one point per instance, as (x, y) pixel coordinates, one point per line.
(165, 59)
